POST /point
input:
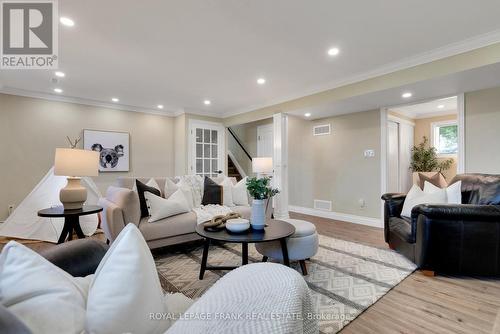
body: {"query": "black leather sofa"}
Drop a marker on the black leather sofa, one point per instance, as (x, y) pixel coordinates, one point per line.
(450, 239)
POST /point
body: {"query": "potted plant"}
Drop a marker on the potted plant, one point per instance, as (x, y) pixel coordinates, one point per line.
(260, 189)
(424, 159)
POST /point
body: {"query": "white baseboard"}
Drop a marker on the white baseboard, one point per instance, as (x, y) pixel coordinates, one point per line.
(369, 221)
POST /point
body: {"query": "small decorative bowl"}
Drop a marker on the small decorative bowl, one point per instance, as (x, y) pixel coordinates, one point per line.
(237, 225)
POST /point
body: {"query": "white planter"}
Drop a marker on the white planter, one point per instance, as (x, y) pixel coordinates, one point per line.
(258, 219)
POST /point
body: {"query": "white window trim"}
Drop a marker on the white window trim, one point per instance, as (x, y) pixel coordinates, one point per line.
(193, 124)
(432, 143)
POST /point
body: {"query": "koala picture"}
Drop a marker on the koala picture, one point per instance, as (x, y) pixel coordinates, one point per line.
(108, 156)
(113, 148)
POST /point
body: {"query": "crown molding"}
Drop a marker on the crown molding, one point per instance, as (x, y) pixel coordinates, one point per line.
(88, 102)
(446, 51)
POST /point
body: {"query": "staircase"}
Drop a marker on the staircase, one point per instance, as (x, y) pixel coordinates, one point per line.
(232, 171)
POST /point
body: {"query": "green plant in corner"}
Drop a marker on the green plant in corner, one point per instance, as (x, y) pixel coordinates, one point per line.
(260, 188)
(424, 159)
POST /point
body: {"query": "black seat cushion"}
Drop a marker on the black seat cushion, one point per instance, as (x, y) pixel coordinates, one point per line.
(402, 227)
(141, 188)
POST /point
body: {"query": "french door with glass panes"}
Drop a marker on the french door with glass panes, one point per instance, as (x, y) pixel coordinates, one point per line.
(207, 148)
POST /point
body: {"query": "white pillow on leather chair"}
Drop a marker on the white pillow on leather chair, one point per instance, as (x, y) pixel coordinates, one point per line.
(453, 191)
(119, 298)
(417, 196)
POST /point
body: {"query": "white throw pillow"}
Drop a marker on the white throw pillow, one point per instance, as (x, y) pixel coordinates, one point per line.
(125, 290)
(160, 208)
(188, 195)
(417, 196)
(453, 192)
(227, 192)
(45, 298)
(170, 188)
(240, 194)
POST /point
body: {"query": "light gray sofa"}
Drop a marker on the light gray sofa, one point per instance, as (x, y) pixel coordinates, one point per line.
(121, 206)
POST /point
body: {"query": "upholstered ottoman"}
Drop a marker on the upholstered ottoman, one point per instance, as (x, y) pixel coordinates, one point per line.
(302, 245)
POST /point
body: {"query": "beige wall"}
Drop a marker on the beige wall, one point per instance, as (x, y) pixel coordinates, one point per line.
(482, 131)
(423, 128)
(333, 167)
(31, 129)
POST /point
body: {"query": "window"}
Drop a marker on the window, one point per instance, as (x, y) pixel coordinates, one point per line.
(444, 137)
(206, 157)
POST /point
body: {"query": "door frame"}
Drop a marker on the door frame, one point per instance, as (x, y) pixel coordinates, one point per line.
(191, 147)
(260, 128)
(384, 116)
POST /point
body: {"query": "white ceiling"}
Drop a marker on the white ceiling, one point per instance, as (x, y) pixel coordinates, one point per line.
(444, 106)
(179, 53)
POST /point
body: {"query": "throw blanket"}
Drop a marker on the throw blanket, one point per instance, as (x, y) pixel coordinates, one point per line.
(207, 212)
(257, 298)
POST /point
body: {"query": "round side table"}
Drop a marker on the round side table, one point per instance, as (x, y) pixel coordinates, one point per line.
(71, 219)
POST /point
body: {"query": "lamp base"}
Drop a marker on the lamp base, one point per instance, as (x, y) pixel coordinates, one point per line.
(73, 195)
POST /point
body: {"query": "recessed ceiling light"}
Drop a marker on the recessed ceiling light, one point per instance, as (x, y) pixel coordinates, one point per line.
(60, 74)
(406, 95)
(160, 106)
(441, 106)
(333, 51)
(207, 102)
(307, 114)
(261, 81)
(58, 90)
(114, 99)
(67, 21)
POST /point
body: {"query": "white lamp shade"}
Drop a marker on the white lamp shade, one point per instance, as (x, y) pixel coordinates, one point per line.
(262, 165)
(74, 162)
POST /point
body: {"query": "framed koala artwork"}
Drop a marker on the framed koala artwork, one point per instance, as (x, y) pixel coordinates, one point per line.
(114, 149)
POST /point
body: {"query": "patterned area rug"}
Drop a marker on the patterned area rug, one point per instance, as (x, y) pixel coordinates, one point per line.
(345, 277)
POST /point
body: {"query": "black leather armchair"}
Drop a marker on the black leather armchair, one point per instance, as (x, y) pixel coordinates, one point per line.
(77, 257)
(454, 239)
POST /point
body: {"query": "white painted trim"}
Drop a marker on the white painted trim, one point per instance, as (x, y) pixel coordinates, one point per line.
(437, 114)
(461, 133)
(280, 162)
(192, 124)
(369, 221)
(449, 50)
(236, 164)
(383, 157)
(399, 120)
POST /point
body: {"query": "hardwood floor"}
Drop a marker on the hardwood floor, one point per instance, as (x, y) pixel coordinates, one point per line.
(420, 304)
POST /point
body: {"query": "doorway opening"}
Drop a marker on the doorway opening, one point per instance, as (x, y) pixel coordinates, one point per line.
(435, 124)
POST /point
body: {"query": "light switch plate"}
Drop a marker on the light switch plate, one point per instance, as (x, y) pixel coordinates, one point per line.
(369, 153)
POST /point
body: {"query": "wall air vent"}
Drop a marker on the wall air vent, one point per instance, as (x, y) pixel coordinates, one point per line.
(322, 205)
(321, 130)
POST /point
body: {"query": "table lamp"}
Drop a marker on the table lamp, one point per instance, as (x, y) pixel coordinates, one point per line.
(262, 166)
(75, 163)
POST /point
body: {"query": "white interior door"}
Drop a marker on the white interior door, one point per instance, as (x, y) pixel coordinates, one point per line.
(265, 147)
(393, 179)
(207, 148)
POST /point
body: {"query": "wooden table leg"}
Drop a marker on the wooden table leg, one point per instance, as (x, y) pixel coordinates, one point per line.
(65, 231)
(284, 249)
(78, 229)
(204, 258)
(244, 253)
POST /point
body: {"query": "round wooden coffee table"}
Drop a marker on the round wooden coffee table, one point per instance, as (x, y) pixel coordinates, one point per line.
(274, 230)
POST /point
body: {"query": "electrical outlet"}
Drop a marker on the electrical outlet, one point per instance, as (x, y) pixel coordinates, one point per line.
(11, 208)
(362, 203)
